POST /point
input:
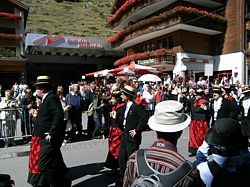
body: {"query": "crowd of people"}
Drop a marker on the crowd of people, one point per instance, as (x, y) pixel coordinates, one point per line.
(217, 116)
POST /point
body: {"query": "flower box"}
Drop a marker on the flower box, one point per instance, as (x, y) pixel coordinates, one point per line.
(128, 7)
(10, 36)
(143, 56)
(179, 13)
(10, 16)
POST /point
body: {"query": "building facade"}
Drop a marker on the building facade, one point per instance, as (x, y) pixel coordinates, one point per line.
(24, 56)
(65, 58)
(13, 16)
(191, 37)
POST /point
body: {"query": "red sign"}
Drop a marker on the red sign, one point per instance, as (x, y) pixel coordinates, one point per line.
(47, 39)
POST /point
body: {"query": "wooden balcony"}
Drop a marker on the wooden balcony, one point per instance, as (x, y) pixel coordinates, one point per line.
(133, 34)
(10, 40)
(137, 10)
(12, 64)
(158, 57)
(12, 24)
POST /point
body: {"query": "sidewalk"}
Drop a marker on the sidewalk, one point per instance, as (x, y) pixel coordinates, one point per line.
(14, 151)
(21, 149)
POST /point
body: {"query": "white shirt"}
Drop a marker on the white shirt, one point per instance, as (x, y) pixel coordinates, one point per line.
(246, 105)
(205, 172)
(44, 96)
(217, 105)
(128, 105)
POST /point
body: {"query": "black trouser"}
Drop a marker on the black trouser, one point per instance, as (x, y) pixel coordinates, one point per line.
(90, 126)
(51, 164)
(126, 149)
(75, 116)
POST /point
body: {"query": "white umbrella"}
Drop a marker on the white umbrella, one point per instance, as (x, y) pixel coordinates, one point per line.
(149, 78)
(124, 72)
(137, 69)
(101, 73)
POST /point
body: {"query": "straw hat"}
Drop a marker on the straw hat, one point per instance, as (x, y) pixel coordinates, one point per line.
(217, 89)
(128, 90)
(245, 90)
(44, 79)
(199, 91)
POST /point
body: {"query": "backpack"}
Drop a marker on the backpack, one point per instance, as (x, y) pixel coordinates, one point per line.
(90, 111)
(224, 178)
(148, 177)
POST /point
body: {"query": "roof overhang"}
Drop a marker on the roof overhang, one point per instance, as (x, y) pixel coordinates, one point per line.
(67, 45)
(12, 64)
(71, 51)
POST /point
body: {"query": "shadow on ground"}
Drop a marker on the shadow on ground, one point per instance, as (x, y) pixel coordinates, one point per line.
(99, 179)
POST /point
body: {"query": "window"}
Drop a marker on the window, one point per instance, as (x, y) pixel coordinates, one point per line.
(168, 42)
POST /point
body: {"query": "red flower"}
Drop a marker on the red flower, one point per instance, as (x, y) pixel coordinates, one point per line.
(143, 56)
(10, 16)
(122, 10)
(168, 15)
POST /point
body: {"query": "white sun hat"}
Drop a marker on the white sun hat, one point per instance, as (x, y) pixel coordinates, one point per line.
(169, 117)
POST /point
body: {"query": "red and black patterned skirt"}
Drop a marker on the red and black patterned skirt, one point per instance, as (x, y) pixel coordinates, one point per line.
(197, 131)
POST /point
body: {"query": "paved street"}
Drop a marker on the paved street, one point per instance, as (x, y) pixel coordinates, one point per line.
(85, 160)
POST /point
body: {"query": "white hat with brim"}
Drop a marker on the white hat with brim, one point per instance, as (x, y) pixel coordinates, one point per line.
(169, 117)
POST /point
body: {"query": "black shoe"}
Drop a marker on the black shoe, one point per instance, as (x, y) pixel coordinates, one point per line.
(97, 137)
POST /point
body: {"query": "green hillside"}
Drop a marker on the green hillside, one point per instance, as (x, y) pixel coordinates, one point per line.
(87, 18)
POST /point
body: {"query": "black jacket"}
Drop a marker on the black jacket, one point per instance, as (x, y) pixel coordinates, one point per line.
(136, 119)
(227, 110)
(50, 118)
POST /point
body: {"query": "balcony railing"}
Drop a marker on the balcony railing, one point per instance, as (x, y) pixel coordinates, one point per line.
(133, 6)
(117, 4)
(10, 36)
(157, 55)
(127, 8)
(179, 15)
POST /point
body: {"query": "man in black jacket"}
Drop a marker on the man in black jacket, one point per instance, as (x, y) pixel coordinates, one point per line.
(221, 107)
(131, 119)
(46, 165)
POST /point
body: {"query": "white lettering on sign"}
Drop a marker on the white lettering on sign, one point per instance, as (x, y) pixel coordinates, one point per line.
(148, 61)
(77, 41)
(99, 46)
